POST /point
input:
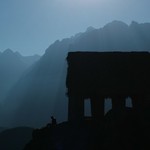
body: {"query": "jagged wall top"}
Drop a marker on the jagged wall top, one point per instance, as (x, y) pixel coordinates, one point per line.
(108, 73)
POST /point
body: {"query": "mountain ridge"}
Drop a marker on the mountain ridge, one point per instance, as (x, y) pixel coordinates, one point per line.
(43, 92)
(12, 67)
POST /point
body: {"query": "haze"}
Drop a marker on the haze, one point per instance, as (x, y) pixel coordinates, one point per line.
(30, 26)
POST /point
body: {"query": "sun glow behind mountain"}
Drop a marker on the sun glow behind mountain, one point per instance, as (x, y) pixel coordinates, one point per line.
(85, 3)
(38, 23)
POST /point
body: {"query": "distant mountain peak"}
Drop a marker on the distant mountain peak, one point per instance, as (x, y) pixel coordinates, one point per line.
(8, 51)
(116, 23)
(134, 22)
(90, 28)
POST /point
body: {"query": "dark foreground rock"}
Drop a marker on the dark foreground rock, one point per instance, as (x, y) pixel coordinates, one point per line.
(120, 131)
(15, 138)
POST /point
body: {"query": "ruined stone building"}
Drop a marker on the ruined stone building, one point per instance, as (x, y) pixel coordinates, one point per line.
(99, 75)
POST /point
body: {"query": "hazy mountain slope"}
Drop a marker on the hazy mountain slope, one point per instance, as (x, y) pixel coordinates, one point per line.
(12, 65)
(15, 138)
(11, 68)
(28, 60)
(41, 92)
(38, 90)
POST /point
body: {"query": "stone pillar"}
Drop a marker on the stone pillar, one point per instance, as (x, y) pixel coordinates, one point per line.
(97, 108)
(118, 103)
(75, 109)
(135, 103)
(140, 102)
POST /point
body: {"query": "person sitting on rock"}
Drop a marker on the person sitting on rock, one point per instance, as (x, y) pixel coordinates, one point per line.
(54, 122)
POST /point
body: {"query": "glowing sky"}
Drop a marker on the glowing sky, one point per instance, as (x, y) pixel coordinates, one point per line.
(30, 26)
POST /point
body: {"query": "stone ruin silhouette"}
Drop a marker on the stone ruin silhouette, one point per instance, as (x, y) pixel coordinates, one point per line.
(96, 76)
(99, 75)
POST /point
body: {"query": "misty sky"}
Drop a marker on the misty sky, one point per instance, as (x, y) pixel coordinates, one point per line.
(30, 26)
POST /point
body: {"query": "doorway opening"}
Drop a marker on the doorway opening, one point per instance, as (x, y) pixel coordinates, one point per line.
(128, 102)
(87, 108)
(107, 105)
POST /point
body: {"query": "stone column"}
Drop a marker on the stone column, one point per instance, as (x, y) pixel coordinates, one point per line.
(140, 102)
(135, 103)
(97, 108)
(75, 109)
(118, 103)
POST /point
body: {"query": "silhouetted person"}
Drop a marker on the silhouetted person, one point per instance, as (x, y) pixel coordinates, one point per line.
(54, 122)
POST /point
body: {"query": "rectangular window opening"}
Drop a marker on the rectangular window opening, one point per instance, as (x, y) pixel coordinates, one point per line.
(87, 108)
(107, 105)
